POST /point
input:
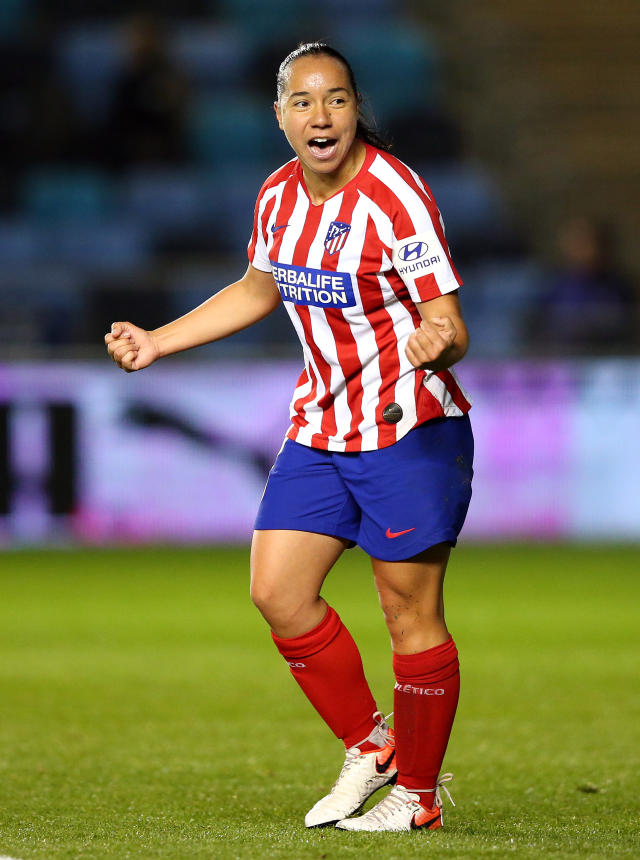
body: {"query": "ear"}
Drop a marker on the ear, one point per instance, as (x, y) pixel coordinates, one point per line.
(276, 107)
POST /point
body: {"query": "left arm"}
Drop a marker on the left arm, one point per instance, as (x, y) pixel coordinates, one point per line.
(442, 338)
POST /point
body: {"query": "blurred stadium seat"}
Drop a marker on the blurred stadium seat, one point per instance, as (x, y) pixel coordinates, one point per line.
(237, 196)
(497, 298)
(167, 201)
(13, 16)
(41, 305)
(109, 246)
(211, 55)
(224, 134)
(356, 11)
(67, 193)
(406, 56)
(260, 18)
(22, 243)
(468, 198)
(89, 58)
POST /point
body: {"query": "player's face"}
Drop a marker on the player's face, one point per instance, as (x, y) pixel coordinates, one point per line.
(318, 112)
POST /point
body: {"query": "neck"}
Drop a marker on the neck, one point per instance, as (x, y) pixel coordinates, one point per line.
(321, 186)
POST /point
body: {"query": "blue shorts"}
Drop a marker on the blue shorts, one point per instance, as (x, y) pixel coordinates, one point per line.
(394, 502)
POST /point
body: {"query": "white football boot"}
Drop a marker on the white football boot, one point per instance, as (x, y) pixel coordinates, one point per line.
(401, 809)
(362, 774)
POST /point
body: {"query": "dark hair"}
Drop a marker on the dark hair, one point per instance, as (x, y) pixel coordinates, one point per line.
(366, 128)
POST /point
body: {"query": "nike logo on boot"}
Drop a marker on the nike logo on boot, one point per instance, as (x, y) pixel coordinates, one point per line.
(383, 766)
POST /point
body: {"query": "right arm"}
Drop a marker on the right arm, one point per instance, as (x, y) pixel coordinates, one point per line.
(234, 308)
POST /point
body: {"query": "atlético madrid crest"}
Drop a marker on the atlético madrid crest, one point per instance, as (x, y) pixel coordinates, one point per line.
(336, 236)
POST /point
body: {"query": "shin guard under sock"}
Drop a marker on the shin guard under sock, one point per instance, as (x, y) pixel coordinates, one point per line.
(425, 702)
(327, 665)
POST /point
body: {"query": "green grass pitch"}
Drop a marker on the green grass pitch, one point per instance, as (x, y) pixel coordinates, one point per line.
(144, 712)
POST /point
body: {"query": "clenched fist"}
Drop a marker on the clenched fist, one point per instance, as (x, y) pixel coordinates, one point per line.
(428, 346)
(132, 348)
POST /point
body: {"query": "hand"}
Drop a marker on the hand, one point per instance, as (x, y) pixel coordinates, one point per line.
(132, 348)
(430, 343)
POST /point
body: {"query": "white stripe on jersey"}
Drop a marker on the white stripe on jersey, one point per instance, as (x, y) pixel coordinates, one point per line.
(463, 391)
(279, 189)
(287, 248)
(362, 330)
(295, 228)
(439, 390)
(403, 326)
(412, 203)
(410, 198)
(382, 222)
(426, 191)
(261, 254)
(322, 333)
(420, 183)
(424, 229)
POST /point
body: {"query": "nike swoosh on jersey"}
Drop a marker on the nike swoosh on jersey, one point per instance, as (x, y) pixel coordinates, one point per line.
(278, 227)
(391, 534)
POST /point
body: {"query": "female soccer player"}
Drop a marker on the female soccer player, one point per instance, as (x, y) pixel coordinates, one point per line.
(380, 449)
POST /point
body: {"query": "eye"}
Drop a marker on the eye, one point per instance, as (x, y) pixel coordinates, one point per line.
(301, 103)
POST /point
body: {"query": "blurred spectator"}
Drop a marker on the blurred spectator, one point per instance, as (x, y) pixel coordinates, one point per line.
(37, 121)
(147, 118)
(425, 135)
(587, 304)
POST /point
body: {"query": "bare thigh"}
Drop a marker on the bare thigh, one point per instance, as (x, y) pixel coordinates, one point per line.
(411, 596)
(287, 572)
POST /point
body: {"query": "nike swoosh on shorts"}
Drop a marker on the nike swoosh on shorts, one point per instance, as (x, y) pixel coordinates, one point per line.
(391, 534)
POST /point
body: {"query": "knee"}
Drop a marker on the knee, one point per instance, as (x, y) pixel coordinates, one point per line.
(408, 614)
(286, 612)
(264, 597)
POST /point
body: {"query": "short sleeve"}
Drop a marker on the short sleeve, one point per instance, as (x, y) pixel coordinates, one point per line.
(421, 254)
(257, 249)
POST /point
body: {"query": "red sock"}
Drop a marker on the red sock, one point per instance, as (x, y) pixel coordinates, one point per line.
(425, 700)
(327, 665)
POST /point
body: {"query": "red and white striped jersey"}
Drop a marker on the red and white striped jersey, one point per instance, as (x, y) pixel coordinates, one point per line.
(350, 272)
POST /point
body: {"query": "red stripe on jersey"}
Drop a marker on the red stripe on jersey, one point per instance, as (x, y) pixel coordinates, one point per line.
(454, 390)
(428, 287)
(298, 420)
(279, 175)
(251, 250)
(346, 349)
(420, 375)
(352, 368)
(283, 215)
(388, 361)
(318, 440)
(404, 226)
(311, 224)
(427, 406)
(429, 201)
(268, 209)
(300, 255)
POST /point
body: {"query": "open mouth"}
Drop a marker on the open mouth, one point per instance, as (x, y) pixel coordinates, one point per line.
(323, 147)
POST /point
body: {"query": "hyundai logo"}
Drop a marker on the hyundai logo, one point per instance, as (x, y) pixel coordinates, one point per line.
(413, 251)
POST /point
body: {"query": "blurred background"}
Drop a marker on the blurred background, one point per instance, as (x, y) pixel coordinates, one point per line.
(134, 140)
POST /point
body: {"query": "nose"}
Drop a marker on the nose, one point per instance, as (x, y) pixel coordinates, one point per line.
(321, 117)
